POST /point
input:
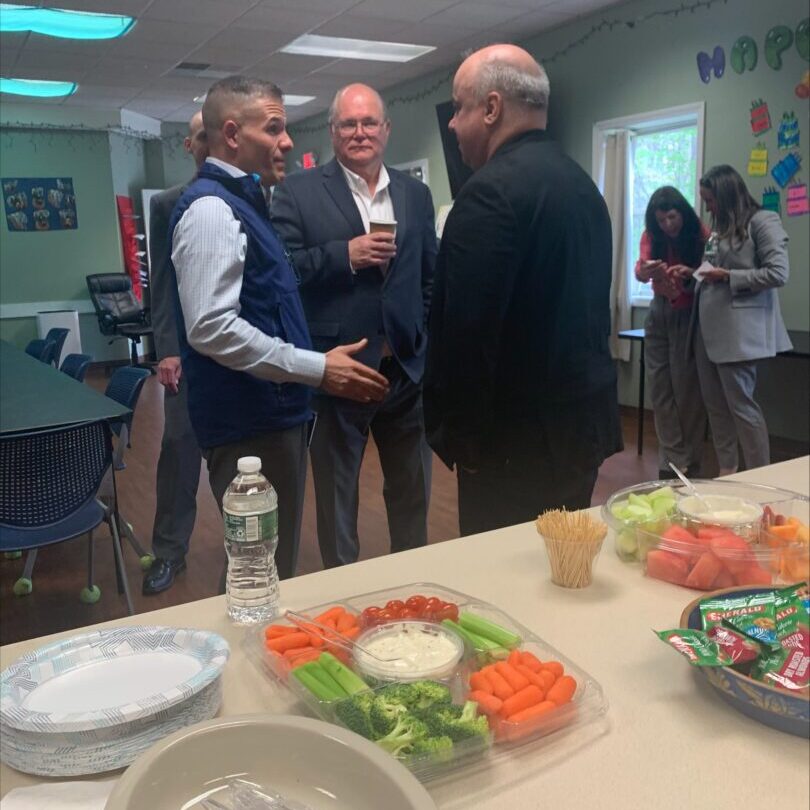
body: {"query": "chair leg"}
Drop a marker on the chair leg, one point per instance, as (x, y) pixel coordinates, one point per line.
(25, 584)
(120, 448)
(144, 557)
(92, 593)
(119, 564)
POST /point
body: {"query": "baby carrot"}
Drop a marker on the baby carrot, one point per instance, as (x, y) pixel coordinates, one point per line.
(488, 704)
(346, 622)
(500, 686)
(562, 691)
(548, 678)
(352, 632)
(301, 656)
(532, 677)
(521, 700)
(514, 658)
(276, 630)
(480, 683)
(537, 710)
(531, 661)
(289, 642)
(331, 615)
(512, 676)
(554, 666)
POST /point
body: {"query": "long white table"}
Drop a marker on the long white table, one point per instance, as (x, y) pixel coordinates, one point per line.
(667, 740)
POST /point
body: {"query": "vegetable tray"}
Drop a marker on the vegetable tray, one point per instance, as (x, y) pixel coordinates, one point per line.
(494, 687)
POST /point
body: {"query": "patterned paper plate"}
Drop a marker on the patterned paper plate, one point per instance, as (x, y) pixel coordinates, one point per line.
(108, 677)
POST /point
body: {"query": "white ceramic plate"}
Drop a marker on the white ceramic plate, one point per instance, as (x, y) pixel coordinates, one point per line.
(305, 760)
(108, 677)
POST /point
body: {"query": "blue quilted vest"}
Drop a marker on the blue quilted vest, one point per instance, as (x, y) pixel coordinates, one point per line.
(224, 405)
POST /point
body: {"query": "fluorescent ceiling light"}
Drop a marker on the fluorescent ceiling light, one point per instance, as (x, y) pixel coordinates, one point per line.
(290, 100)
(37, 87)
(342, 47)
(57, 22)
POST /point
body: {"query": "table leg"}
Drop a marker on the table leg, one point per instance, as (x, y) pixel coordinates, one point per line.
(640, 441)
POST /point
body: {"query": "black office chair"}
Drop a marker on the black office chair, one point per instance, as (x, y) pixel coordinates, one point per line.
(118, 311)
(42, 349)
(76, 365)
(57, 336)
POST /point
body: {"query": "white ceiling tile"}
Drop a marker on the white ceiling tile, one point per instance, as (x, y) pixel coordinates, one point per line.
(293, 63)
(357, 26)
(148, 32)
(157, 109)
(12, 40)
(475, 13)
(433, 34)
(142, 69)
(131, 8)
(579, 7)
(531, 24)
(352, 70)
(327, 8)
(183, 114)
(219, 12)
(410, 11)
(285, 20)
(69, 63)
(237, 38)
(37, 42)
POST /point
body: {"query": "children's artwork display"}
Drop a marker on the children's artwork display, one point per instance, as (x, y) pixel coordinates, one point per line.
(770, 200)
(758, 161)
(40, 203)
(797, 201)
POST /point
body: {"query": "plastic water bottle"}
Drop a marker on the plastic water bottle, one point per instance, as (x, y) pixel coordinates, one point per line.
(250, 511)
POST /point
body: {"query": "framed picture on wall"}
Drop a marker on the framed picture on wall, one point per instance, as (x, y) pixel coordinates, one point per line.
(40, 203)
(415, 168)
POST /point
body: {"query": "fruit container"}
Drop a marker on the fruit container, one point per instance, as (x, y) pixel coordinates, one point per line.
(435, 714)
(736, 534)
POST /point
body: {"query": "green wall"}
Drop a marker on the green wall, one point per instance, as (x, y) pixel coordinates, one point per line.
(625, 71)
(178, 165)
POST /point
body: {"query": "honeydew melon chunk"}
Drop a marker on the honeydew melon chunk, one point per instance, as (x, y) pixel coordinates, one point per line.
(662, 507)
(637, 500)
(627, 544)
(662, 492)
(639, 512)
(619, 510)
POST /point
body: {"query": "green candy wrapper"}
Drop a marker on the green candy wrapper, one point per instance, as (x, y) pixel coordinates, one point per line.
(696, 646)
(754, 616)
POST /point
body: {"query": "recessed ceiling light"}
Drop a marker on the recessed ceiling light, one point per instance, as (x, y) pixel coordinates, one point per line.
(345, 48)
(37, 87)
(58, 22)
(290, 100)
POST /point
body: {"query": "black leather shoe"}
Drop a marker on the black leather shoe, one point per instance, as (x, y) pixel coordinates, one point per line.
(160, 576)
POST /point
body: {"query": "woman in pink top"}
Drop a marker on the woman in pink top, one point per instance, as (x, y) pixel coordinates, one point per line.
(673, 240)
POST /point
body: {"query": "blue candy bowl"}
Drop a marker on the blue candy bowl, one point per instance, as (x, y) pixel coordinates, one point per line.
(770, 705)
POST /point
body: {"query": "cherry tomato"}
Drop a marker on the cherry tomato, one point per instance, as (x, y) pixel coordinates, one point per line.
(370, 616)
(410, 614)
(416, 603)
(433, 605)
(447, 611)
(385, 615)
(396, 606)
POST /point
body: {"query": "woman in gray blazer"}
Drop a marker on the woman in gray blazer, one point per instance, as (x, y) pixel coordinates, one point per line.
(737, 319)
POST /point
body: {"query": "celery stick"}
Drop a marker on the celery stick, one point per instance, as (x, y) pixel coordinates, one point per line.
(483, 627)
(313, 685)
(473, 639)
(315, 669)
(347, 679)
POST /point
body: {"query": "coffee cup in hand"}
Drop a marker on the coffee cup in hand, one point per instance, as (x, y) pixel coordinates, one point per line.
(383, 226)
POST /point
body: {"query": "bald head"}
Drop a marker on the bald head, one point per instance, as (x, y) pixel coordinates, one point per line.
(499, 92)
(196, 143)
(356, 91)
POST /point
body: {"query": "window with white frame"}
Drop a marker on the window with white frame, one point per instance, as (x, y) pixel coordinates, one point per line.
(664, 148)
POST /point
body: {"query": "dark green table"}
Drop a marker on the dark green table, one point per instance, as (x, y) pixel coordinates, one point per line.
(34, 395)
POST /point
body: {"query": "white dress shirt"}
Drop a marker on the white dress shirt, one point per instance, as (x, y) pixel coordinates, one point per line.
(370, 207)
(208, 253)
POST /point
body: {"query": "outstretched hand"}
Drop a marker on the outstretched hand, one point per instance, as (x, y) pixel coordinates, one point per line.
(345, 377)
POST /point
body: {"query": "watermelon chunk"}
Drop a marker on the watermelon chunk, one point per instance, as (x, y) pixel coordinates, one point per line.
(753, 574)
(725, 579)
(667, 566)
(733, 551)
(708, 532)
(704, 573)
(678, 535)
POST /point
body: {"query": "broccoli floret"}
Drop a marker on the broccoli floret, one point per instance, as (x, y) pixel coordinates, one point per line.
(458, 723)
(438, 748)
(400, 740)
(355, 713)
(420, 695)
(385, 711)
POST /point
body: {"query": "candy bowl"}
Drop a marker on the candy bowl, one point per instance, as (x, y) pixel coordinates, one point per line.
(773, 706)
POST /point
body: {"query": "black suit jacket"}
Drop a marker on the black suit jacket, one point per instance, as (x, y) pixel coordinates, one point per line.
(520, 317)
(161, 278)
(316, 215)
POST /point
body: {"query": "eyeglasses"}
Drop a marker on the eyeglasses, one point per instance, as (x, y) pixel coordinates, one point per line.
(369, 125)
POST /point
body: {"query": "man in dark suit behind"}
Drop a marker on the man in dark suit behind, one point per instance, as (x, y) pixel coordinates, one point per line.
(178, 470)
(355, 283)
(520, 389)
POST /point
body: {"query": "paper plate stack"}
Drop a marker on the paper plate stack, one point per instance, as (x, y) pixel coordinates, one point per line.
(93, 702)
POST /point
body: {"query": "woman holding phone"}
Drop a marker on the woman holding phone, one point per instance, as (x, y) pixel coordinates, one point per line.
(737, 320)
(671, 249)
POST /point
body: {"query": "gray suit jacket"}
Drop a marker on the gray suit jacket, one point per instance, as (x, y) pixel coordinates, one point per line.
(164, 321)
(741, 320)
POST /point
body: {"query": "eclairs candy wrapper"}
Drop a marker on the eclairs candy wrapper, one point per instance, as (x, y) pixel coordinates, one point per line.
(754, 616)
(695, 646)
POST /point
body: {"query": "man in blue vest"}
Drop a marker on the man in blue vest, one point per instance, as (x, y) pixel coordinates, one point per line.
(244, 342)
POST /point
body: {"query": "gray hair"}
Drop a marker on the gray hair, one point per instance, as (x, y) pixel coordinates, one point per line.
(521, 86)
(336, 101)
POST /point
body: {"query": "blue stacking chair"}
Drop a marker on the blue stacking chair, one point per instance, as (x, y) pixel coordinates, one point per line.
(42, 349)
(76, 365)
(57, 336)
(49, 481)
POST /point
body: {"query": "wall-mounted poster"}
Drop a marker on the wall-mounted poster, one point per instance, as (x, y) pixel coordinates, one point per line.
(40, 203)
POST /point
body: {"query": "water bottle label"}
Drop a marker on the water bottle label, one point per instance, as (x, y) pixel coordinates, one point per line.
(250, 528)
